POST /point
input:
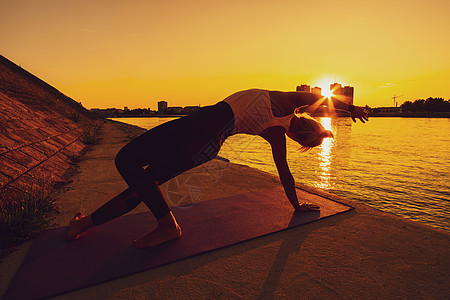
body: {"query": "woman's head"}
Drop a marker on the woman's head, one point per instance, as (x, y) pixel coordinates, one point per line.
(308, 132)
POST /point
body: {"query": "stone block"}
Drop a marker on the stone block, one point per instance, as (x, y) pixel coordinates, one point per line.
(41, 147)
(22, 158)
(34, 153)
(11, 168)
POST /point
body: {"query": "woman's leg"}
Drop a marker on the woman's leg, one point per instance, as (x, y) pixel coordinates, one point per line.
(195, 145)
(126, 201)
(129, 163)
(142, 186)
(142, 183)
(117, 206)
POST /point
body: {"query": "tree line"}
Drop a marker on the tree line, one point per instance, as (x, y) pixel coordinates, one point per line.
(428, 105)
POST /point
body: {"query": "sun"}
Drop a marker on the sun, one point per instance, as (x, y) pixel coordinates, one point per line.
(324, 84)
(326, 92)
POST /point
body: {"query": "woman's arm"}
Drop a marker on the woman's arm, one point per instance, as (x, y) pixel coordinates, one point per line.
(356, 112)
(292, 100)
(277, 139)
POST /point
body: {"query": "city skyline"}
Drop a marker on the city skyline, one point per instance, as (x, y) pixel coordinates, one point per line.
(343, 93)
(135, 53)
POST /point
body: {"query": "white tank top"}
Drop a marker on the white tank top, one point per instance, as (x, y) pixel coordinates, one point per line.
(253, 112)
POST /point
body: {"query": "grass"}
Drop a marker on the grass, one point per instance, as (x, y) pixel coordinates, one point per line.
(91, 135)
(24, 217)
(75, 159)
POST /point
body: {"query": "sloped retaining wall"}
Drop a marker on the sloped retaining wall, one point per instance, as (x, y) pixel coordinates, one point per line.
(35, 147)
(40, 131)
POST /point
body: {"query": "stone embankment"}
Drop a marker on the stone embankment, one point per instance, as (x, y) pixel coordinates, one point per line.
(40, 131)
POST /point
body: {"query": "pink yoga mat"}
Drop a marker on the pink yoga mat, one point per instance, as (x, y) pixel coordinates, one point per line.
(54, 266)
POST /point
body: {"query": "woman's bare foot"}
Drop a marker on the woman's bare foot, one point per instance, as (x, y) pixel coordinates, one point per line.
(167, 230)
(77, 225)
(304, 207)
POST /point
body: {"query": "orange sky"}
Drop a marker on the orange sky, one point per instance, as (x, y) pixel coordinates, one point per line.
(108, 53)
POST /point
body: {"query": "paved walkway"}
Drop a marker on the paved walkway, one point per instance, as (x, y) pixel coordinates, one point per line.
(361, 254)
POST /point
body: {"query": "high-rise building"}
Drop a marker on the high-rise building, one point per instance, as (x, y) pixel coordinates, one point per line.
(303, 88)
(316, 90)
(162, 106)
(336, 88)
(347, 92)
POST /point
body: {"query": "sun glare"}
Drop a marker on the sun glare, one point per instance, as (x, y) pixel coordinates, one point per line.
(324, 84)
(326, 92)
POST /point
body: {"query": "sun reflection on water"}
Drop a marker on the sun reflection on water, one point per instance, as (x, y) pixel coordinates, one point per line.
(325, 155)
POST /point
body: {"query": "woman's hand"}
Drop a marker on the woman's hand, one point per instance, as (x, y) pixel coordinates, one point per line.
(359, 113)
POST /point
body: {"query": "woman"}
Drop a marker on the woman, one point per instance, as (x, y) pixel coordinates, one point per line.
(177, 146)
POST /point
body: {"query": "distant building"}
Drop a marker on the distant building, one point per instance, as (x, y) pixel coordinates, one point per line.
(303, 88)
(106, 113)
(316, 90)
(162, 107)
(175, 110)
(190, 109)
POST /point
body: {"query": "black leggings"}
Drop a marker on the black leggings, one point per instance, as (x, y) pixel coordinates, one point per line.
(162, 153)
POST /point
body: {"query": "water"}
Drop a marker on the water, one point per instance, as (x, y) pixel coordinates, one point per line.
(398, 165)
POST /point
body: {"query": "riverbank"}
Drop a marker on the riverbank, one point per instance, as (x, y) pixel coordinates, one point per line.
(364, 253)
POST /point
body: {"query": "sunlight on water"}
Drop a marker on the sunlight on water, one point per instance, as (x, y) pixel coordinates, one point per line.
(325, 156)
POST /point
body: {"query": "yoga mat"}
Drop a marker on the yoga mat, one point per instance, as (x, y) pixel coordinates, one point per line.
(54, 266)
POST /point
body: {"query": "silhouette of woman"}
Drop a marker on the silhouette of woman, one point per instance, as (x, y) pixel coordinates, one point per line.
(179, 145)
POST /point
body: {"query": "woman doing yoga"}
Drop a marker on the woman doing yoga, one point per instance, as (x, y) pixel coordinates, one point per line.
(179, 145)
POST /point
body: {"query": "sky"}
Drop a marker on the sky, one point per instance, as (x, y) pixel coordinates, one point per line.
(108, 53)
